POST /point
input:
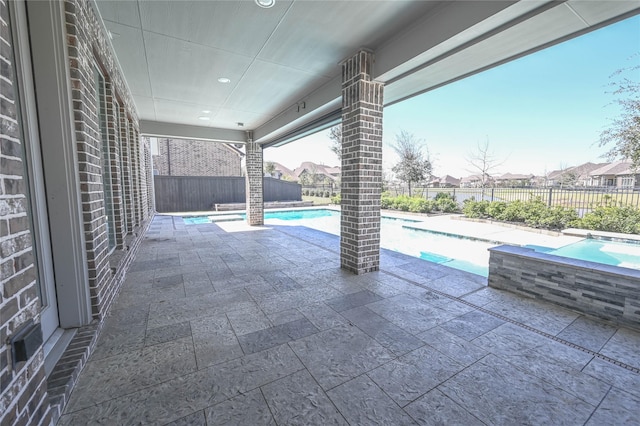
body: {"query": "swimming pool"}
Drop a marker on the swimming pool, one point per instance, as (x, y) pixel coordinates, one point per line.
(613, 253)
(463, 254)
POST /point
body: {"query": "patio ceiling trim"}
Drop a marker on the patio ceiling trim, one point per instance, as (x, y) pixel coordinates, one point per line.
(329, 120)
(185, 131)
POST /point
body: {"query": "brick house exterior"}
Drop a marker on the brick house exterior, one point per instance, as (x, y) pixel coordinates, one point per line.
(75, 197)
(185, 157)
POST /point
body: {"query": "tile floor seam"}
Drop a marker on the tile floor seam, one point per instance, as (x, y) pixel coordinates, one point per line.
(235, 334)
(526, 327)
(326, 392)
(366, 373)
(193, 342)
(267, 403)
(599, 404)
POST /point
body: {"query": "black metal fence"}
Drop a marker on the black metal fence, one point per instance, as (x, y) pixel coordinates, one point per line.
(581, 199)
(201, 193)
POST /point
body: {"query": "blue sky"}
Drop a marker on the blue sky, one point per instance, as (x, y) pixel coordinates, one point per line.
(539, 113)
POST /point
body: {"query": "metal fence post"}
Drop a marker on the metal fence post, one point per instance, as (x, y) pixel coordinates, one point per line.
(550, 195)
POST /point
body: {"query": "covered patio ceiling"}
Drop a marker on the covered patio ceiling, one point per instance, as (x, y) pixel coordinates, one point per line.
(282, 62)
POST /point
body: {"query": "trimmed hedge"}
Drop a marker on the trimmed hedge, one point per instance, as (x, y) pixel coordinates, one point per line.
(443, 202)
(535, 213)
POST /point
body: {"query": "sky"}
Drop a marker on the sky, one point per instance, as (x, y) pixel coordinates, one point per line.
(539, 113)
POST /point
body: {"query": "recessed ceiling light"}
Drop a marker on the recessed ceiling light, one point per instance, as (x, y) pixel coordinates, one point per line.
(224, 80)
(203, 118)
(206, 111)
(265, 3)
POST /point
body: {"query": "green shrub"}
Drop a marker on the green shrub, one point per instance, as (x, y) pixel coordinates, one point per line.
(608, 216)
(386, 201)
(401, 202)
(533, 211)
(513, 212)
(612, 218)
(420, 205)
(475, 209)
(305, 192)
(444, 195)
(495, 208)
(446, 205)
(558, 218)
(336, 199)
(327, 194)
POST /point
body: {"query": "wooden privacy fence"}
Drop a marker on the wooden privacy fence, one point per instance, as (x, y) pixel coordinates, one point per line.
(200, 193)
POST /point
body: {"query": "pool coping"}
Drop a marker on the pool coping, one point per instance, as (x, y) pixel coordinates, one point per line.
(602, 235)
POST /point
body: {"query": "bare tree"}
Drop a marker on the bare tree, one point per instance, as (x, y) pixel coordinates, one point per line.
(483, 161)
(414, 165)
(335, 134)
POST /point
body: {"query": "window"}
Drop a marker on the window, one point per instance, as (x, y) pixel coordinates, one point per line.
(118, 132)
(627, 182)
(106, 159)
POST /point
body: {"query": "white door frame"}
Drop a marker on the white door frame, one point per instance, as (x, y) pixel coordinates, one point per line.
(47, 32)
(25, 95)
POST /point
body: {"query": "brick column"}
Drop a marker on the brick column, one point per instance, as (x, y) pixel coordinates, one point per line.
(361, 165)
(255, 204)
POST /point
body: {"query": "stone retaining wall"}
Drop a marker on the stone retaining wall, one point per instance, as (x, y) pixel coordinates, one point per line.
(604, 291)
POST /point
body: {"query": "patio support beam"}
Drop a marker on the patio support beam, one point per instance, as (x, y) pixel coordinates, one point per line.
(362, 106)
(254, 180)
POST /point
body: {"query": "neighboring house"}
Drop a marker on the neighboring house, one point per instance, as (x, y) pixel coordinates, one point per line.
(316, 173)
(447, 181)
(618, 174)
(184, 157)
(282, 172)
(475, 181)
(514, 180)
(573, 176)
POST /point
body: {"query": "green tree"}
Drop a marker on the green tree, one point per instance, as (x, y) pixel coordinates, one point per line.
(269, 168)
(335, 134)
(414, 165)
(305, 179)
(624, 132)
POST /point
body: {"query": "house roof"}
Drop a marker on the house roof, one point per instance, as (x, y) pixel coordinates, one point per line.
(582, 171)
(514, 176)
(311, 167)
(473, 178)
(283, 63)
(284, 170)
(616, 168)
(450, 180)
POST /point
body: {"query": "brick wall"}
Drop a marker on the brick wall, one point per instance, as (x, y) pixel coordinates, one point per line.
(603, 291)
(23, 397)
(254, 184)
(88, 49)
(361, 166)
(185, 157)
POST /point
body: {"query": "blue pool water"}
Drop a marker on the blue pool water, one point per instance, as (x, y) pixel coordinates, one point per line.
(466, 255)
(608, 252)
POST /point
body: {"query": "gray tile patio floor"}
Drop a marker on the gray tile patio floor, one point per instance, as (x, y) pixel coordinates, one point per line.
(262, 327)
